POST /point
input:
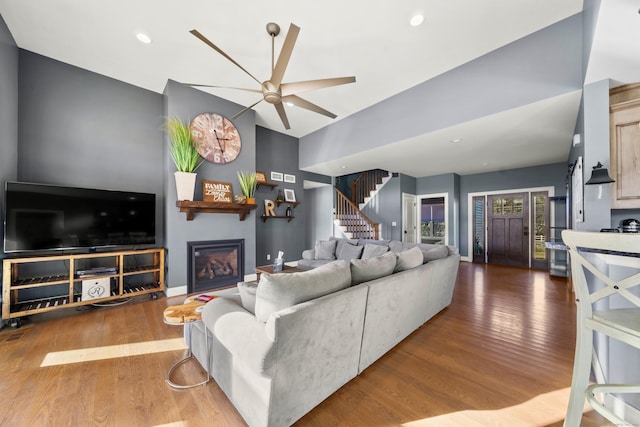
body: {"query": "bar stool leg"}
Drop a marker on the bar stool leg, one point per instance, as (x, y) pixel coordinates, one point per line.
(581, 373)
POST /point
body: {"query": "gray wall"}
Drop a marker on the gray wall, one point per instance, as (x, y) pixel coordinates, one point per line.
(83, 129)
(8, 108)
(597, 210)
(8, 117)
(185, 103)
(386, 208)
(318, 215)
(278, 152)
(539, 176)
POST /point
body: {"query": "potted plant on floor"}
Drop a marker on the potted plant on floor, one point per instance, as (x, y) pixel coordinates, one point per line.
(248, 185)
(185, 156)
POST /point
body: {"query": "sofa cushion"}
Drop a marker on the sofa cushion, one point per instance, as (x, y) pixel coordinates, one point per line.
(325, 249)
(282, 290)
(247, 292)
(349, 252)
(372, 250)
(409, 259)
(341, 242)
(434, 253)
(365, 269)
(397, 246)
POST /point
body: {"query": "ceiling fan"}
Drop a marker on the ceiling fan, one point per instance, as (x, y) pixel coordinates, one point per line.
(273, 90)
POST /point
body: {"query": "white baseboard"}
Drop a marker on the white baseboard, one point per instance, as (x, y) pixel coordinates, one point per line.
(174, 291)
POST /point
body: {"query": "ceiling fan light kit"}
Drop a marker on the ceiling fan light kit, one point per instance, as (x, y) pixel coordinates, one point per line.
(273, 90)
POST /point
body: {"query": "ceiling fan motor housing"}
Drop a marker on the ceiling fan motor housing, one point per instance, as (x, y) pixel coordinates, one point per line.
(271, 94)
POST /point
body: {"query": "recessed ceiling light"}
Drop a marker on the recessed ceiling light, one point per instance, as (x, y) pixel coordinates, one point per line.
(343, 167)
(416, 20)
(143, 38)
(456, 140)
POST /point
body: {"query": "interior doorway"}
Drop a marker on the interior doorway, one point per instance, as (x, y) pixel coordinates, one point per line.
(433, 212)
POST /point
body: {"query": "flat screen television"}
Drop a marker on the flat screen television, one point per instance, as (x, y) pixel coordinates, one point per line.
(41, 217)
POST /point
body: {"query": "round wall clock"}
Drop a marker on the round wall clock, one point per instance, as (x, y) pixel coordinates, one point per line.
(215, 137)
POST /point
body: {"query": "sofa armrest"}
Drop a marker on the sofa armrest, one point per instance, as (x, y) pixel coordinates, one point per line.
(309, 254)
(240, 333)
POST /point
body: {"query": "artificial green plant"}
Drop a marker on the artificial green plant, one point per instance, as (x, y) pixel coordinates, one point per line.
(247, 183)
(181, 146)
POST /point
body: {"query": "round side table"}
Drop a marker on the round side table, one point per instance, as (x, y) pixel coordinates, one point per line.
(190, 313)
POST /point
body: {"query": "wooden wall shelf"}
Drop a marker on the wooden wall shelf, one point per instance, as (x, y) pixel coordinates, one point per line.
(266, 184)
(265, 217)
(294, 204)
(242, 209)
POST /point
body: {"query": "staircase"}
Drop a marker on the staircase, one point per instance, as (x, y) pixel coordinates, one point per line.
(349, 218)
(367, 185)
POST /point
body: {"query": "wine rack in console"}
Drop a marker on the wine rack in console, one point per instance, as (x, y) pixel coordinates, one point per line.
(39, 284)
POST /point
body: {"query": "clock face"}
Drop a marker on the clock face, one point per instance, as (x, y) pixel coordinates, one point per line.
(216, 138)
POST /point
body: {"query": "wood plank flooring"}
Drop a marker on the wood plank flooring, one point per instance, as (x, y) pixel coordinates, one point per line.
(500, 355)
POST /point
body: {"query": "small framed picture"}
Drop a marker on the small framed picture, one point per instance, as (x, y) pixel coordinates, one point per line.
(276, 176)
(261, 177)
(289, 195)
(289, 178)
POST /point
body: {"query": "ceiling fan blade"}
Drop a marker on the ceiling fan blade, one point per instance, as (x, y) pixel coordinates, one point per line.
(285, 55)
(217, 49)
(222, 87)
(299, 87)
(246, 109)
(303, 103)
(282, 114)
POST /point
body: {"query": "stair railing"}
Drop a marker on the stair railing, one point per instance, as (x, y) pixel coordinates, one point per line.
(355, 221)
(362, 186)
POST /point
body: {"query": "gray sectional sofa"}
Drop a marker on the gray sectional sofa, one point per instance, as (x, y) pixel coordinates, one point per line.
(279, 348)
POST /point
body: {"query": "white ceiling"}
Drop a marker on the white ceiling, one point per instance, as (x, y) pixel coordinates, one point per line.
(369, 39)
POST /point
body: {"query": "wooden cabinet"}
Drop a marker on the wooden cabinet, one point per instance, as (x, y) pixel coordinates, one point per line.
(39, 284)
(625, 146)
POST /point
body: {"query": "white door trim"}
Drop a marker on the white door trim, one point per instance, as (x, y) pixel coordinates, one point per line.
(411, 198)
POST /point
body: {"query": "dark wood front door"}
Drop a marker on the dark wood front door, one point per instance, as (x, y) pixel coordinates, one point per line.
(508, 229)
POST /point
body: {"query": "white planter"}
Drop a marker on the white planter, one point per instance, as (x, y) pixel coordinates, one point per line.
(185, 185)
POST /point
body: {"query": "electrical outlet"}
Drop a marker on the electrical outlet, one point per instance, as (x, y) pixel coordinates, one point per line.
(268, 257)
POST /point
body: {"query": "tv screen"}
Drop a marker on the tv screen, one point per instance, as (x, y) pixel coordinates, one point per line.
(40, 217)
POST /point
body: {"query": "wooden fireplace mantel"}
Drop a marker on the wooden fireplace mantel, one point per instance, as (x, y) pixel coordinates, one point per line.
(214, 207)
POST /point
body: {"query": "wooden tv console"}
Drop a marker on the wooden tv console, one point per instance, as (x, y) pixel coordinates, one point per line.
(127, 273)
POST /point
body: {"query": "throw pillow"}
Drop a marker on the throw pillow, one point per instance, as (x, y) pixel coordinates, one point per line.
(363, 270)
(350, 252)
(409, 259)
(396, 246)
(247, 292)
(437, 252)
(371, 250)
(341, 242)
(325, 249)
(279, 291)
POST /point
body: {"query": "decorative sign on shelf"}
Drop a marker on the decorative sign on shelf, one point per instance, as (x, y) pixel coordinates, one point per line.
(214, 191)
(269, 208)
(261, 177)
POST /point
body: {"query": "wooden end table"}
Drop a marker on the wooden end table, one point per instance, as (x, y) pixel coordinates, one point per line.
(268, 269)
(183, 315)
